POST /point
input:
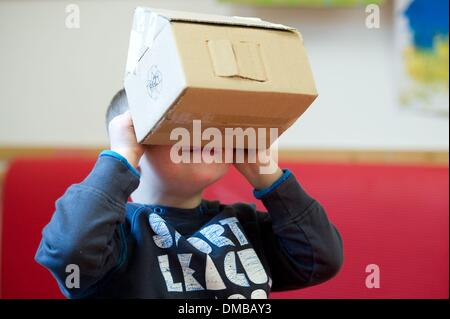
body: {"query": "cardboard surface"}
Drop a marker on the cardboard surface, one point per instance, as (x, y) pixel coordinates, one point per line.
(224, 71)
(211, 18)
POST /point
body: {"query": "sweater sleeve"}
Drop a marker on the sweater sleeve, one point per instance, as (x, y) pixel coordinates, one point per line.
(302, 247)
(86, 229)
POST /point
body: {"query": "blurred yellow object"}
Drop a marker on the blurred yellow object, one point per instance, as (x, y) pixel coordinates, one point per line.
(429, 66)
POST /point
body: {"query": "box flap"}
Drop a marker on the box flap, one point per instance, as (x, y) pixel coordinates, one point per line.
(240, 59)
(216, 19)
(148, 23)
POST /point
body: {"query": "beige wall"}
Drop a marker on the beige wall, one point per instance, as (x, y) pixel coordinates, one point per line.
(55, 82)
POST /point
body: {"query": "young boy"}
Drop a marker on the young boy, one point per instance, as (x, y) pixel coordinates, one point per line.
(169, 243)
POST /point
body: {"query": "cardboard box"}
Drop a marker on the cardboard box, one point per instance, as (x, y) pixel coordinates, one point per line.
(227, 72)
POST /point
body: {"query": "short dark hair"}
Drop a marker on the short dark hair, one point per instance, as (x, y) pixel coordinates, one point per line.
(118, 105)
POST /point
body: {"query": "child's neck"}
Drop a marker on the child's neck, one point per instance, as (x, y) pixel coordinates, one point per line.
(151, 194)
(166, 200)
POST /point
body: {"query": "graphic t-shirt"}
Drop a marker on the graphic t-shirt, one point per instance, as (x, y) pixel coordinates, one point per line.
(131, 250)
(217, 259)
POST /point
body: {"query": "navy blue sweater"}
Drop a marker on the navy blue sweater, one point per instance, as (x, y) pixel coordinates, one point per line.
(99, 246)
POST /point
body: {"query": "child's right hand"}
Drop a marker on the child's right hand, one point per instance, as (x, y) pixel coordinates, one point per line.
(122, 138)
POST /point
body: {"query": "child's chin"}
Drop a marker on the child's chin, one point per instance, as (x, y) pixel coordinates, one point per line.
(208, 173)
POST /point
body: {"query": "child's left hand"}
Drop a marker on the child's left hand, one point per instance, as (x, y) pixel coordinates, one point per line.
(258, 174)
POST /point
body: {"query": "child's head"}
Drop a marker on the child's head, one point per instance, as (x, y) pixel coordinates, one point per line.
(159, 173)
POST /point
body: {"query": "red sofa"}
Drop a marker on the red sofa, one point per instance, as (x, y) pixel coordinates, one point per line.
(396, 217)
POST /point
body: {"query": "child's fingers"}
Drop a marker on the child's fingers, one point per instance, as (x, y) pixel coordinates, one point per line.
(128, 118)
(125, 119)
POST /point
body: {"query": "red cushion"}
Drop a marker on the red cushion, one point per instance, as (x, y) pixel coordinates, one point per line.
(31, 187)
(392, 216)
